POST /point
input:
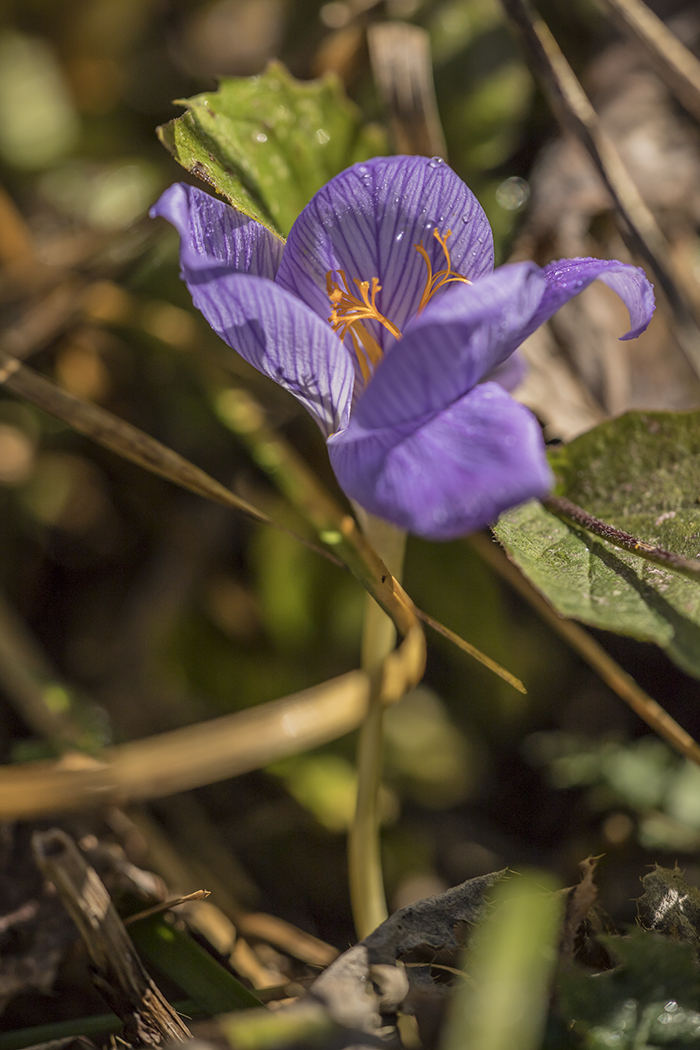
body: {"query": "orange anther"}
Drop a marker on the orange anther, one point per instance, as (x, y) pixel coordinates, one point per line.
(435, 281)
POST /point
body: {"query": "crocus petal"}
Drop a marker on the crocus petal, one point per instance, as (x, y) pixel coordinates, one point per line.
(367, 220)
(510, 374)
(215, 238)
(284, 340)
(455, 342)
(450, 474)
(567, 277)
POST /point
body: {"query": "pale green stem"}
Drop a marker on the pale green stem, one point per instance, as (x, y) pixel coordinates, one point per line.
(378, 639)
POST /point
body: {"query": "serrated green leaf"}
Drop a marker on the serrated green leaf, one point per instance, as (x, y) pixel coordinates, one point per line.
(268, 143)
(640, 473)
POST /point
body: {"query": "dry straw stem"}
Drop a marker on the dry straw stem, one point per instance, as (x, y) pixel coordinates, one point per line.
(118, 972)
(676, 65)
(589, 650)
(403, 71)
(209, 751)
(576, 115)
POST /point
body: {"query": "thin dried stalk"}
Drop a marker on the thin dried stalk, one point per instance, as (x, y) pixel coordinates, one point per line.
(676, 65)
(403, 71)
(119, 975)
(576, 115)
(175, 902)
(589, 650)
(210, 751)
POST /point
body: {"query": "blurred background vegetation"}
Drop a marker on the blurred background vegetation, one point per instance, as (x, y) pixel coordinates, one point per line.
(153, 609)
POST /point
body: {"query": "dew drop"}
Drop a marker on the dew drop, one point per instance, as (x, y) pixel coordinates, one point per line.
(435, 162)
(322, 137)
(399, 236)
(261, 137)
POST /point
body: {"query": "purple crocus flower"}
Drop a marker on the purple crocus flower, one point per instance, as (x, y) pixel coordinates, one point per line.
(383, 315)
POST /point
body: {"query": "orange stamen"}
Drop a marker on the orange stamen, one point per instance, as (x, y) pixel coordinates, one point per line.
(348, 313)
(435, 281)
(349, 310)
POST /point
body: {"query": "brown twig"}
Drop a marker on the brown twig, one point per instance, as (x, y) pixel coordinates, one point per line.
(676, 65)
(570, 512)
(403, 71)
(118, 973)
(576, 115)
(589, 650)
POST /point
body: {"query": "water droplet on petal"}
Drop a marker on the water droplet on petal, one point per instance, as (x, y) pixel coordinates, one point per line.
(435, 162)
(399, 236)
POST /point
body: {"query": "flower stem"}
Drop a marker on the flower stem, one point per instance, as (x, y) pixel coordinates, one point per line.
(378, 639)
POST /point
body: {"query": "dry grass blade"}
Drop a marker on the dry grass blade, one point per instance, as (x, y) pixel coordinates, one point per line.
(198, 895)
(576, 115)
(403, 72)
(210, 751)
(589, 650)
(467, 647)
(124, 439)
(676, 65)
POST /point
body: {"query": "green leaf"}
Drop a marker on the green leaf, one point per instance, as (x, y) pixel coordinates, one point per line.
(268, 143)
(649, 1000)
(184, 961)
(640, 473)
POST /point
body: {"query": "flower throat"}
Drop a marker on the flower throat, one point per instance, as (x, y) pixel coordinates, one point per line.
(350, 310)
